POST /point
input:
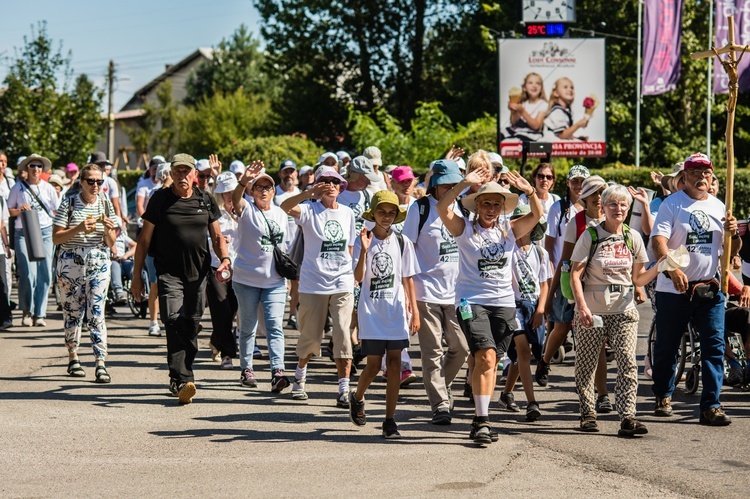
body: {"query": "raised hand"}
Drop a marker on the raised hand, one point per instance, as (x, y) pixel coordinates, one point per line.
(478, 177)
(252, 171)
(639, 195)
(365, 236)
(213, 161)
(454, 153)
(656, 177)
(520, 183)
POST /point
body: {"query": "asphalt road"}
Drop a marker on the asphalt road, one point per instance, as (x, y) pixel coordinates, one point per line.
(62, 436)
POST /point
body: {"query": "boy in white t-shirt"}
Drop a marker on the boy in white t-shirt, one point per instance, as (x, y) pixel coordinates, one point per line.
(386, 265)
(531, 275)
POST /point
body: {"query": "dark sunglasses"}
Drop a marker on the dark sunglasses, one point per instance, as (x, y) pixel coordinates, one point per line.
(333, 181)
(92, 182)
(542, 176)
(503, 181)
(201, 175)
(36, 165)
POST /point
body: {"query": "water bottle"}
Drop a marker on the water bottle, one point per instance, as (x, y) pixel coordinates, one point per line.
(465, 310)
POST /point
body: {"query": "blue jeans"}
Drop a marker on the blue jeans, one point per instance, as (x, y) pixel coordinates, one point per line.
(273, 300)
(120, 269)
(673, 312)
(34, 278)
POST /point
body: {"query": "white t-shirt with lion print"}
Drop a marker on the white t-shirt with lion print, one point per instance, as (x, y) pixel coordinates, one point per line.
(382, 302)
(484, 270)
(328, 234)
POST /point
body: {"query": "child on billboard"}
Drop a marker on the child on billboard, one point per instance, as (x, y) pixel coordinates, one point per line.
(528, 107)
(559, 120)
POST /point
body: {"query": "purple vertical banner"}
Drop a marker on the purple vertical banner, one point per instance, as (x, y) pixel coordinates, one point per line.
(740, 9)
(662, 37)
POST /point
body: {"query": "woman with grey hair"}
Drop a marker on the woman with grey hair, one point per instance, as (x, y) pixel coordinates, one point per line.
(609, 259)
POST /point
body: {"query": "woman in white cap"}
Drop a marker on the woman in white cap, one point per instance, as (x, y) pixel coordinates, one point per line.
(484, 292)
(85, 231)
(376, 158)
(262, 225)
(34, 277)
(610, 259)
(222, 302)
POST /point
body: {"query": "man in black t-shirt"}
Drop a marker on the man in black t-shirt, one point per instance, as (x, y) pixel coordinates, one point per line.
(174, 232)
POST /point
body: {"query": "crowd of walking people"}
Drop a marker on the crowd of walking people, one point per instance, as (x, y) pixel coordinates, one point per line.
(476, 261)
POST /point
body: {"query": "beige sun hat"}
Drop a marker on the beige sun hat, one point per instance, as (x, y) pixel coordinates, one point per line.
(511, 200)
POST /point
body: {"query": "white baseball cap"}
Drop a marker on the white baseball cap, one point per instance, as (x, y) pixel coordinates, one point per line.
(237, 167)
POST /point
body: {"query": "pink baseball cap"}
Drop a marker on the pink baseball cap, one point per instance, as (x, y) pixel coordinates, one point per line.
(71, 167)
(401, 173)
(698, 160)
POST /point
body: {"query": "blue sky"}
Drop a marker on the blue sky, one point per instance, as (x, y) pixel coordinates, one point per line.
(141, 36)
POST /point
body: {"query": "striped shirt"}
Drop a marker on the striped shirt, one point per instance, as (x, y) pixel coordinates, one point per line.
(67, 217)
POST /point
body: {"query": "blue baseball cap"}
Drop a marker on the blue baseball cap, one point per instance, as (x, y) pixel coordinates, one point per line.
(445, 171)
(287, 163)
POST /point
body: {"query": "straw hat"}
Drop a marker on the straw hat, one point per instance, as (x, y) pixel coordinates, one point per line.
(511, 200)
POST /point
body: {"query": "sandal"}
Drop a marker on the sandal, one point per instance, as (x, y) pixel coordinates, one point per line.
(102, 376)
(75, 369)
(589, 424)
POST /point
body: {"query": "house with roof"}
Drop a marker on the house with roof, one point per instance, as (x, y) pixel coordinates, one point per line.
(132, 112)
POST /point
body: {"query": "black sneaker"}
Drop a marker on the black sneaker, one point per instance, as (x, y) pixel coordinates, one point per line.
(603, 405)
(441, 417)
(279, 381)
(390, 430)
(476, 425)
(292, 322)
(173, 389)
(357, 410)
(715, 416)
(542, 373)
(630, 427)
(342, 400)
(663, 407)
(532, 411)
(508, 402)
(468, 392)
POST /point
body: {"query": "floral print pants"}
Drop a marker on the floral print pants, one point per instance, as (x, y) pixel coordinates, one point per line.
(83, 276)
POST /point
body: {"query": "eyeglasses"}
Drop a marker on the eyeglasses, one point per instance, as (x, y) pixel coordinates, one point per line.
(701, 173)
(203, 176)
(262, 188)
(542, 176)
(333, 181)
(36, 165)
(93, 182)
(503, 181)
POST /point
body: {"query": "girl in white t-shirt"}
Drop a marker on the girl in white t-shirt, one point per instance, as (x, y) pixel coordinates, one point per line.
(484, 293)
(527, 116)
(531, 276)
(387, 308)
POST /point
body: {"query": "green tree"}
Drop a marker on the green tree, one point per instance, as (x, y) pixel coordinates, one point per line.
(361, 53)
(40, 115)
(237, 63)
(159, 128)
(220, 120)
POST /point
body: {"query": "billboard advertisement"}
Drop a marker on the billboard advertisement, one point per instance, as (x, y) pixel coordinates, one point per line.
(553, 90)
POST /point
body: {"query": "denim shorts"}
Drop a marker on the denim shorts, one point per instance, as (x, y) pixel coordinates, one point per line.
(151, 270)
(562, 311)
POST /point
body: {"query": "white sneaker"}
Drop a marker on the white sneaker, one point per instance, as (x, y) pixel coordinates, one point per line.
(40, 322)
(226, 363)
(154, 330)
(298, 389)
(26, 320)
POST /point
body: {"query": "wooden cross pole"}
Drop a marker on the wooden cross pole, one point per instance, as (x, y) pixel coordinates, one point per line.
(730, 66)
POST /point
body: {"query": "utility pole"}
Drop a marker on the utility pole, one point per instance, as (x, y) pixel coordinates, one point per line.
(110, 114)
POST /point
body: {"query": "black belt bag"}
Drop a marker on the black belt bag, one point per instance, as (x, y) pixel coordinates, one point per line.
(703, 290)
